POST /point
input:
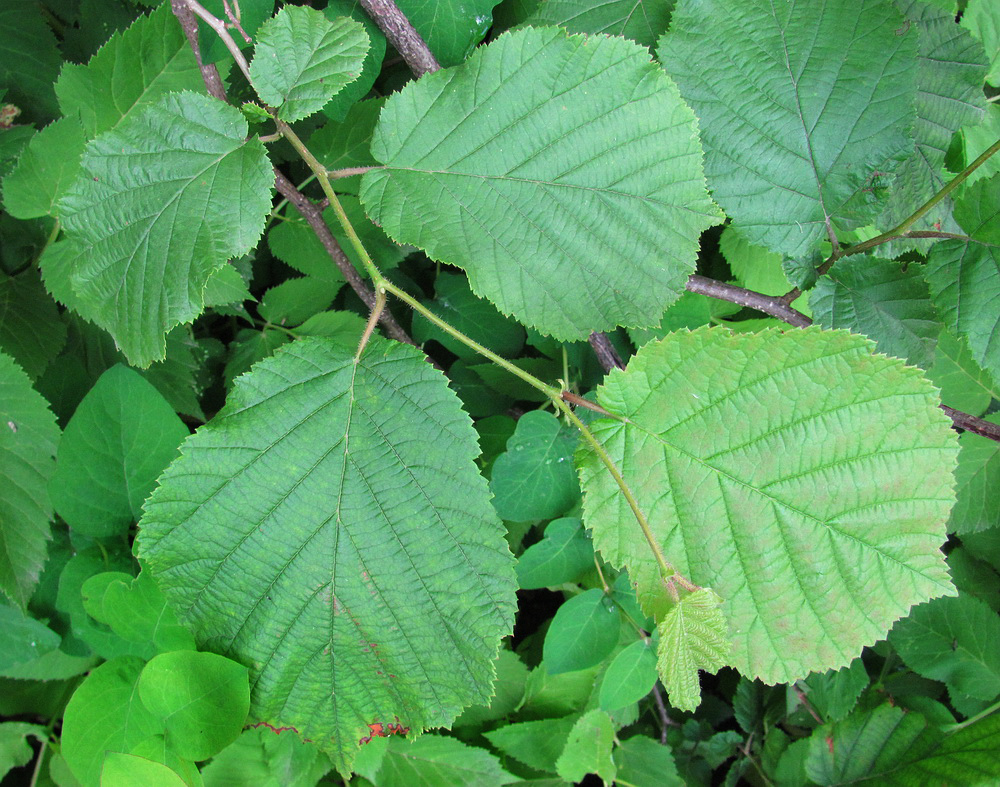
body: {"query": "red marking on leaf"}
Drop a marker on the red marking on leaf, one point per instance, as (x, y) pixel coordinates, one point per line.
(380, 730)
(272, 728)
(829, 743)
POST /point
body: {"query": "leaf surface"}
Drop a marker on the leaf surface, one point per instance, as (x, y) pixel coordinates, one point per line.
(45, 170)
(28, 437)
(438, 760)
(792, 135)
(165, 199)
(29, 59)
(303, 59)
(30, 328)
(127, 770)
(588, 749)
(561, 556)
(978, 478)
(584, 630)
(629, 677)
(641, 20)
(562, 172)
(693, 637)
(451, 28)
(353, 551)
(829, 486)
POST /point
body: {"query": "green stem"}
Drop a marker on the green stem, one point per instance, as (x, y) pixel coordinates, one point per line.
(972, 719)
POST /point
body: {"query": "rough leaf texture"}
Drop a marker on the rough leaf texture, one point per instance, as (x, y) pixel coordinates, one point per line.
(816, 513)
(329, 530)
(792, 131)
(164, 200)
(562, 172)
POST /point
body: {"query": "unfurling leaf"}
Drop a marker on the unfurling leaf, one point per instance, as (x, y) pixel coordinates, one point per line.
(693, 637)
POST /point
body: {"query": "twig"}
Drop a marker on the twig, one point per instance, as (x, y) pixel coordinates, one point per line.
(209, 73)
(971, 423)
(769, 304)
(661, 709)
(805, 703)
(605, 351)
(220, 30)
(402, 35)
(235, 20)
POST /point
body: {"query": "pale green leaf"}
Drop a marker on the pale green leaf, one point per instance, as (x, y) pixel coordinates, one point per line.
(451, 28)
(15, 750)
(121, 437)
(754, 267)
(45, 170)
(641, 20)
(584, 630)
(302, 60)
(30, 328)
(978, 478)
(817, 514)
(128, 770)
(329, 530)
(561, 556)
(437, 761)
(343, 327)
(137, 67)
(294, 242)
(24, 638)
(535, 478)
(537, 744)
(963, 384)
(28, 437)
(588, 749)
(693, 637)
(105, 714)
(982, 18)
(562, 172)
(165, 199)
(136, 611)
(794, 136)
(261, 758)
(887, 747)
(883, 300)
(340, 107)
(29, 59)
(629, 677)
(954, 640)
(643, 762)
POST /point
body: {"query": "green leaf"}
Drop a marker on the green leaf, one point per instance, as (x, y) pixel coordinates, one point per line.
(588, 749)
(345, 328)
(437, 761)
(761, 504)
(641, 20)
(693, 637)
(14, 748)
(296, 300)
(451, 28)
(327, 579)
(834, 693)
(976, 139)
(28, 437)
(24, 638)
(110, 89)
(166, 199)
(30, 328)
(537, 744)
(512, 675)
(127, 770)
(954, 640)
(982, 20)
(302, 60)
(345, 144)
(45, 170)
(584, 630)
(105, 714)
(251, 15)
(887, 746)
(778, 160)
(643, 762)
(136, 611)
(201, 698)
(630, 677)
(754, 267)
(120, 439)
(544, 165)
(249, 347)
(561, 556)
(977, 478)
(29, 59)
(535, 478)
(964, 277)
(343, 103)
(883, 300)
(963, 384)
(263, 759)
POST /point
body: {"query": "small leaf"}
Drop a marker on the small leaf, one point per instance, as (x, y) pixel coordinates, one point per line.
(561, 556)
(643, 762)
(584, 630)
(583, 135)
(588, 749)
(693, 637)
(15, 751)
(127, 770)
(119, 440)
(629, 677)
(340, 106)
(28, 437)
(166, 198)
(302, 60)
(202, 700)
(537, 744)
(535, 478)
(45, 170)
(136, 611)
(437, 760)
(296, 300)
(345, 144)
(980, 18)
(29, 59)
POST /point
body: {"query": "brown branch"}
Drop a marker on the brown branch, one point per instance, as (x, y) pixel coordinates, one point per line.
(768, 304)
(661, 709)
(605, 351)
(402, 35)
(209, 73)
(971, 423)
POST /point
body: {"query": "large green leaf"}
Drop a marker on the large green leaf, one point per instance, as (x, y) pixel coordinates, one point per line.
(303, 59)
(793, 135)
(816, 514)
(329, 530)
(641, 20)
(28, 437)
(164, 200)
(134, 69)
(562, 172)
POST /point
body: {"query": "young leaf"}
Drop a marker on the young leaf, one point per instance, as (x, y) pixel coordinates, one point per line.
(128, 770)
(45, 170)
(584, 630)
(630, 677)
(120, 439)
(562, 172)
(561, 556)
(535, 478)
(303, 59)
(882, 300)
(512, 675)
(978, 478)
(165, 199)
(435, 759)
(202, 700)
(28, 437)
(588, 749)
(343, 544)
(793, 136)
(108, 90)
(759, 511)
(692, 638)
(641, 20)
(136, 611)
